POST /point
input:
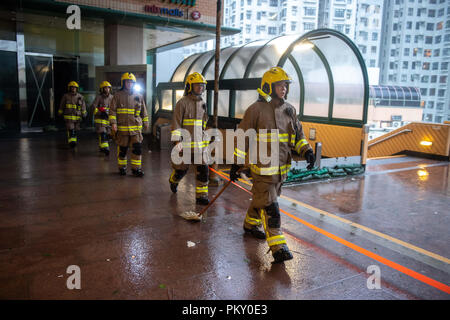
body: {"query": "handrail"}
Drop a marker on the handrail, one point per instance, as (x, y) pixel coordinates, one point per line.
(386, 138)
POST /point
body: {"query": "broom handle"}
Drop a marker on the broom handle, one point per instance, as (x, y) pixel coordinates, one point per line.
(215, 197)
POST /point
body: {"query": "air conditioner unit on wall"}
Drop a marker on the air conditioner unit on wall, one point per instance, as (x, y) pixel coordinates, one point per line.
(396, 124)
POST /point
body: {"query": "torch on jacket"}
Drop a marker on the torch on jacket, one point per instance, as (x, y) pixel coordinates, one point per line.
(190, 114)
(101, 117)
(128, 111)
(274, 115)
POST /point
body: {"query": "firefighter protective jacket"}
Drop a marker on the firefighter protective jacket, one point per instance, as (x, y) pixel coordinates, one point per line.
(190, 113)
(128, 111)
(278, 115)
(72, 106)
(101, 118)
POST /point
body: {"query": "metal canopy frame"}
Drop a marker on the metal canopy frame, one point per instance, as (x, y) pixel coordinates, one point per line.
(246, 83)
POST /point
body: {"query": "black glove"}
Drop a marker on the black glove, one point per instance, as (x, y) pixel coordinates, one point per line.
(310, 158)
(234, 172)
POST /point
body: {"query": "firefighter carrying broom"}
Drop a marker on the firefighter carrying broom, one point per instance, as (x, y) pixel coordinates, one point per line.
(190, 114)
(271, 111)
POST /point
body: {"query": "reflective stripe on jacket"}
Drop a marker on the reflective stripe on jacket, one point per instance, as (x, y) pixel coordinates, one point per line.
(274, 122)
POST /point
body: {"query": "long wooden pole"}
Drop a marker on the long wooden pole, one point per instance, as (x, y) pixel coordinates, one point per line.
(216, 62)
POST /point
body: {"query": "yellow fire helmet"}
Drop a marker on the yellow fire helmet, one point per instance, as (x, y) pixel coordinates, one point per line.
(273, 75)
(127, 76)
(73, 84)
(194, 78)
(105, 84)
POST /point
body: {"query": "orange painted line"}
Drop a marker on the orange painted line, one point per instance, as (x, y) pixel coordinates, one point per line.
(413, 274)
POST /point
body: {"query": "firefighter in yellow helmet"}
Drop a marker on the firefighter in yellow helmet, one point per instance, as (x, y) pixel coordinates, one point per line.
(127, 115)
(72, 107)
(191, 114)
(273, 113)
(100, 108)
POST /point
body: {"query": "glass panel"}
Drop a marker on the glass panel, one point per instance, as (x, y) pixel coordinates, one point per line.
(407, 92)
(166, 99)
(199, 65)
(224, 101)
(224, 55)
(270, 55)
(9, 99)
(293, 96)
(39, 75)
(236, 68)
(316, 81)
(180, 72)
(347, 77)
(244, 98)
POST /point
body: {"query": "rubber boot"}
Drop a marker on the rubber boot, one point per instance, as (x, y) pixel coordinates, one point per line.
(173, 187)
(137, 172)
(282, 254)
(122, 171)
(202, 201)
(255, 232)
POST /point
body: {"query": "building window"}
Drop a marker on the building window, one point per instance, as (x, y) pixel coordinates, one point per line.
(437, 39)
(425, 79)
(441, 93)
(430, 26)
(248, 28)
(436, 52)
(444, 66)
(426, 66)
(446, 52)
(435, 66)
(406, 52)
(310, 11)
(272, 30)
(423, 91)
(347, 29)
(294, 10)
(433, 79)
(372, 63)
(373, 49)
(374, 36)
(408, 38)
(427, 53)
(430, 104)
(249, 14)
(274, 3)
(432, 92)
(443, 79)
(308, 26)
(440, 106)
(410, 11)
(405, 65)
(362, 48)
(348, 14)
(339, 13)
(429, 40)
(404, 77)
(439, 25)
(293, 25)
(438, 119)
(431, 13)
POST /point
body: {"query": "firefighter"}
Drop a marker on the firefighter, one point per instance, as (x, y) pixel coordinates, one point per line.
(190, 113)
(127, 115)
(271, 111)
(100, 108)
(73, 107)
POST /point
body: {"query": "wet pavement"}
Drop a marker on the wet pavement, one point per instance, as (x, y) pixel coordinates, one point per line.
(61, 207)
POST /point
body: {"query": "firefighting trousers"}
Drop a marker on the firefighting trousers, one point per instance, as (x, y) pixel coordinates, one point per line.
(71, 136)
(103, 136)
(125, 142)
(201, 178)
(264, 211)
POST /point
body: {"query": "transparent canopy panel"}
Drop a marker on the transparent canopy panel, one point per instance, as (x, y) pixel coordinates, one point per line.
(224, 55)
(238, 63)
(270, 54)
(244, 98)
(180, 72)
(201, 62)
(317, 89)
(166, 99)
(293, 96)
(347, 78)
(224, 102)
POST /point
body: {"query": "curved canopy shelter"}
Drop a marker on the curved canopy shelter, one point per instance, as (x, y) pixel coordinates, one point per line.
(330, 83)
